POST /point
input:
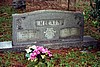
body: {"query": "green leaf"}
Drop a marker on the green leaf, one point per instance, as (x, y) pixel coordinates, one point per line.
(76, 65)
(7, 63)
(67, 65)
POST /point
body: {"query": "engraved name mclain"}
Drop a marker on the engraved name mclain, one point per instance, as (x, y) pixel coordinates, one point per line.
(58, 22)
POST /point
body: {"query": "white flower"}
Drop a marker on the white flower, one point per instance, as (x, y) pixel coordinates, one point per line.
(28, 50)
(35, 59)
(84, 51)
(43, 56)
(33, 47)
(83, 13)
(28, 58)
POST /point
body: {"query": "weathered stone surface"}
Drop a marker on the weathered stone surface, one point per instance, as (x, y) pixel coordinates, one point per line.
(87, 40)
(5, 44)
(47, 26)
(19, 4)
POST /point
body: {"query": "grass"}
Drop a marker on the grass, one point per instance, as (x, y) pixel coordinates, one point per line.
(90, 26)
(71, 58)
(6, 22)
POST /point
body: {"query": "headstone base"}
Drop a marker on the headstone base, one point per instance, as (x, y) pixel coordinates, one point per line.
(87, 40)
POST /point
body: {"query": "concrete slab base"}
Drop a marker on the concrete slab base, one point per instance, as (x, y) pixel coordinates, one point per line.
(87, 40)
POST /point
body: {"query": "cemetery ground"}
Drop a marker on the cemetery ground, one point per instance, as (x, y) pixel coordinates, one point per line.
(64, 57)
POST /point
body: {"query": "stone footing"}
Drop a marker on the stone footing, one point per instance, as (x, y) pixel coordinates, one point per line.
(87, 40)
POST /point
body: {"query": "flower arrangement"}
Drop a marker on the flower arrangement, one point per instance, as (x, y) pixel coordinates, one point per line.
(37, 54)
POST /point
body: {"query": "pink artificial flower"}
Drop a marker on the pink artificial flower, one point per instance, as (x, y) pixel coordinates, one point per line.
(43, 50)
(36, 51)
(49, 54)
(39, 48)
(32, 56)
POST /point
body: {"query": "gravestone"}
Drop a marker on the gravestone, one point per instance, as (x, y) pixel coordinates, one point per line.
(5, 44)
(48, 28)
(19, 4)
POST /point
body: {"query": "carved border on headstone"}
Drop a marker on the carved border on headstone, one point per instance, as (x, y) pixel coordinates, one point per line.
(47, 26)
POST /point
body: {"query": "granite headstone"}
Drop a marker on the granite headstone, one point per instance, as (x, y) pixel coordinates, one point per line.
(19, 4)
(47, 27)
(5, 44)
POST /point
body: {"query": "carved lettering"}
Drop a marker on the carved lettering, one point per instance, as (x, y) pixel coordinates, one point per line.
(49, 22)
